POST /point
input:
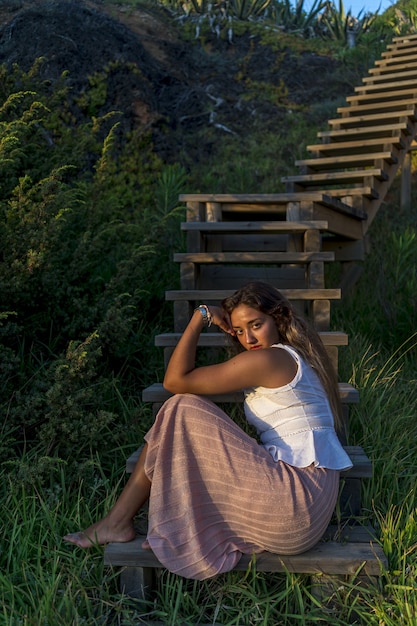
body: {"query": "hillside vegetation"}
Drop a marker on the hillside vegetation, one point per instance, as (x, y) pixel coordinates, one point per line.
(108, 112)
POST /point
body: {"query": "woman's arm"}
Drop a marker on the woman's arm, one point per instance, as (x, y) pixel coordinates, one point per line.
(270, 368)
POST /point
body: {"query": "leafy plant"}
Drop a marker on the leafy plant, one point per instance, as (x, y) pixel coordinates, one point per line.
(296, 18)
(335, 23)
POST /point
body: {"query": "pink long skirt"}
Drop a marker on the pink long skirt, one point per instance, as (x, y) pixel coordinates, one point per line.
(216, 493)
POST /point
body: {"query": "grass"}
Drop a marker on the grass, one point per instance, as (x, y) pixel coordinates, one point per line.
(44, 581)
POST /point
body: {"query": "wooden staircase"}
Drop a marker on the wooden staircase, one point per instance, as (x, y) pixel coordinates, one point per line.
(286, 239)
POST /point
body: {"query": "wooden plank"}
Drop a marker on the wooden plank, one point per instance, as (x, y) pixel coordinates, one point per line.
(354, 160)
(227, 276)
(156, 393)
(350, 176)
(393, 61)
(328, 557)
(366, 133)
(387, 105)
(383, 96)
(251, 242)
(393, 76)
(253, 227)
(257, 198)
(398, 54)
(210, 295)
(339, 148)
(220, 340)
(251, 257)
(385, 66)
(389, 86)
(341, 224)
(394, 116)
(336, 205)
(347, 250)
(266, 203)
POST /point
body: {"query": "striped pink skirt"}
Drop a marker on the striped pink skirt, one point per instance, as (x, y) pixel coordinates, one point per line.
(216, 493)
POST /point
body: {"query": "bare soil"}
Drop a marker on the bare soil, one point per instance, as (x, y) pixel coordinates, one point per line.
(181, 87)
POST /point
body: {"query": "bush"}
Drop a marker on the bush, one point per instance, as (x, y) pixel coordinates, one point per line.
(85, 262)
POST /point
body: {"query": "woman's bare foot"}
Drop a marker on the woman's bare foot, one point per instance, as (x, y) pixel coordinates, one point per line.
(100, 533)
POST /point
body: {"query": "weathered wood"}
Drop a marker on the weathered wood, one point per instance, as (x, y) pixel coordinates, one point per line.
(252, 257)
(253, 227)
(215, 339)
(355, 147)
(347, 251)
(223, 276)
(327, 557)
(384, 96)
(168, 341)
(386, 105)
(375, 118)
(387, 86)
(349, 176)
(337, 162)
(214, 295)
(137, 582)
(383, 77)
(386, 66)
(156, 393)
(365, 132)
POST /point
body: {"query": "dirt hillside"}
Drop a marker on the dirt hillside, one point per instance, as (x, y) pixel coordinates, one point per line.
(181, 87)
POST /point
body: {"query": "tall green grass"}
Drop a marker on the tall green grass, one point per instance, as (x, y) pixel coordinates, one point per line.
(44, 581)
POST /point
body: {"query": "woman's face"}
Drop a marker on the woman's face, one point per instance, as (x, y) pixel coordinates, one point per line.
(254, 330)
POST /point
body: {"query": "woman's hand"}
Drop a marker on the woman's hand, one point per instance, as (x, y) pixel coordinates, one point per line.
(221, 319)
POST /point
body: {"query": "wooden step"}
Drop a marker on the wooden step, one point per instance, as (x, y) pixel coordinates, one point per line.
(238, 206)
(361, 468)
(400, 41)
(346, 134)
(345, 557)
(402, 76)
(393, 61)
(356, 160)
(217, 295)
(398, 52)
(282, 226)
(157, 394)
(385, 96)
(388, 86)
(357, 147)
(252, 257)
(386, 105)
(220, 340)
(408, 63)
(374, 118)
(332, 178)
(248, 198)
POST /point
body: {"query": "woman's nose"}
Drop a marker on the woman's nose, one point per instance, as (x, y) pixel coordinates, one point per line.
(250, 337)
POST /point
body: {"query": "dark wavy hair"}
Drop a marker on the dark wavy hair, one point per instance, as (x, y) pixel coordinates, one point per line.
(294, 331)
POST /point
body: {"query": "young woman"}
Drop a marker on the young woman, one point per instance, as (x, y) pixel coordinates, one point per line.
(215, 492)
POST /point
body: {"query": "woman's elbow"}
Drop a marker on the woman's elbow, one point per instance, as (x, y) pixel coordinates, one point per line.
(171, 385)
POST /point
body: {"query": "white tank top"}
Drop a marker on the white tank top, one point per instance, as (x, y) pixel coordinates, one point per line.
(295, 422)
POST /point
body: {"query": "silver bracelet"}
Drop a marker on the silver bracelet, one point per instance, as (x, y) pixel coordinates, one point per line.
(206, 315)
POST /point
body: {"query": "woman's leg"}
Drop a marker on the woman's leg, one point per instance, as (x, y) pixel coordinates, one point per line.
(117, 525)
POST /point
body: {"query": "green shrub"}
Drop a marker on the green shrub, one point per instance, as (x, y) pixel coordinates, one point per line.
(85, 260)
